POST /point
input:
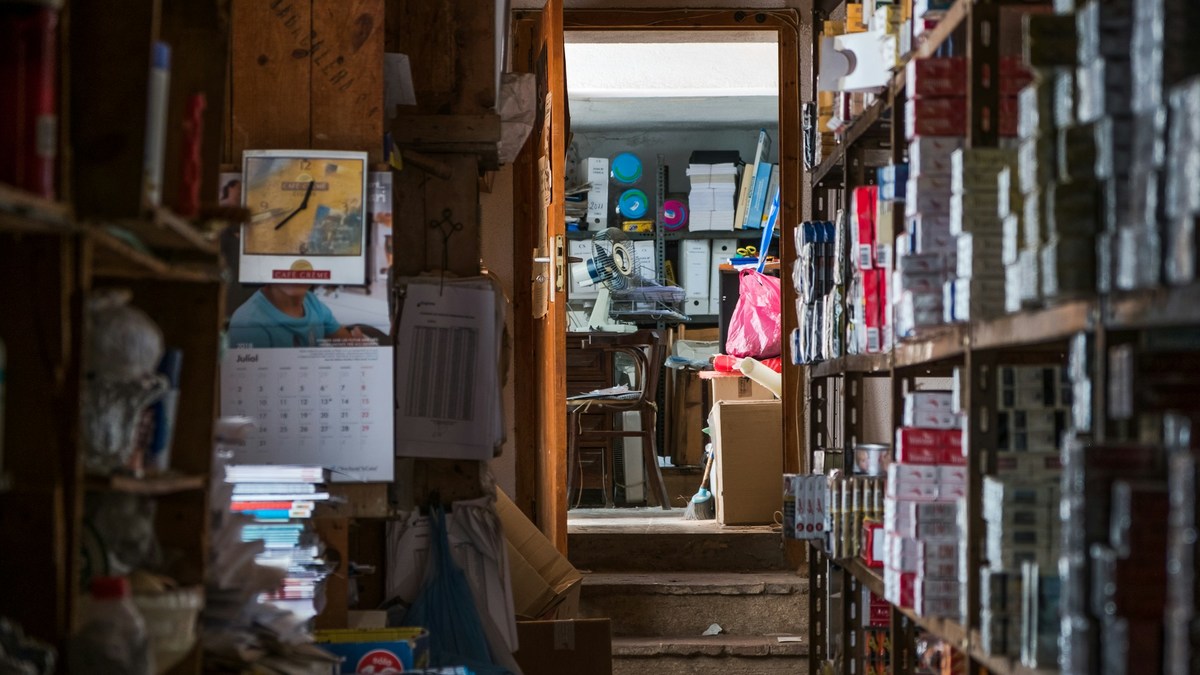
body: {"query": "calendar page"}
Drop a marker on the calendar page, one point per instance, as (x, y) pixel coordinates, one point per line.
(313, 365)
(329, 407)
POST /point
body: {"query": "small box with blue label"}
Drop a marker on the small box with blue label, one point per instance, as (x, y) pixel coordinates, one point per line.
(374, 651)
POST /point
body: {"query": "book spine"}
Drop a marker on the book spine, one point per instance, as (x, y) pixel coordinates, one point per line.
(273, 488)
(743, 200)
(29, 107)
(758, 198)
(772, 194)
(260, 506)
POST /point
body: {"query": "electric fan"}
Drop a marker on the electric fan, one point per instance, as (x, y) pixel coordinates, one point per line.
(624, 294)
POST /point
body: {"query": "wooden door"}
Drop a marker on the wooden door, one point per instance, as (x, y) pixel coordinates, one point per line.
(540, 257)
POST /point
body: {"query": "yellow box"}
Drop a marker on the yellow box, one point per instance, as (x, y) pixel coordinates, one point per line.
(832, 28)
(855, 22)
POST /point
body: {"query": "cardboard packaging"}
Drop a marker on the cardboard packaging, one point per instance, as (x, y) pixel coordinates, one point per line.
(748, 437)
(377, 650)
(579, 647)
(738, 388)
(544, 583)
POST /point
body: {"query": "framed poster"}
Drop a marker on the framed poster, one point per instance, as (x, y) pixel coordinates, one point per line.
(308, 217)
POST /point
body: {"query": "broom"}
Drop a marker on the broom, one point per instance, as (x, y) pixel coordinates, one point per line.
(702, 506)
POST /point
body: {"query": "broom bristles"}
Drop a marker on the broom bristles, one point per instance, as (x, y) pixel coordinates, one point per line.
(701, 506)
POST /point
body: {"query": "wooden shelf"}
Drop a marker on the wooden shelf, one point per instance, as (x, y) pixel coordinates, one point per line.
(941, 344)
(1154, 308)
(852, 363)
(21, 211)
(1052, 324)
(949, 630)
(1002, 665)
(950, 22)
(149, 486)
(163, 229)
(114, 258)
(867, 576)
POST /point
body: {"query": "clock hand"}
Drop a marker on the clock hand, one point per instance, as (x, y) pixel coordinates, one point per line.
(307, 194)
(303, 205)
(288, 217)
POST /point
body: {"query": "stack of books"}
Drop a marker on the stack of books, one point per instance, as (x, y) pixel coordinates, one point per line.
(713, 177)
(244, 629)
(757, 190)
(280, 500)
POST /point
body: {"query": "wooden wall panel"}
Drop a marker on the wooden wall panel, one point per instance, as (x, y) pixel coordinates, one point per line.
(453, 67)
(409, 227)
(346, 52)
(271, 74)
(460, 195)
(432, 53)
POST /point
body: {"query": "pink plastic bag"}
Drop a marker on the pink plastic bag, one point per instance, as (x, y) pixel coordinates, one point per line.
(756, 328)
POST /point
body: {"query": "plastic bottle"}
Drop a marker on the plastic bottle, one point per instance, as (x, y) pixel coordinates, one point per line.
(113, 638)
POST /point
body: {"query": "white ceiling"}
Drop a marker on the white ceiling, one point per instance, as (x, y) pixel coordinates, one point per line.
(662, 84)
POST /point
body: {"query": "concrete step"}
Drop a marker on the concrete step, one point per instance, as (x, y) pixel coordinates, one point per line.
(687, 603)
(707, 549)
(718, 654)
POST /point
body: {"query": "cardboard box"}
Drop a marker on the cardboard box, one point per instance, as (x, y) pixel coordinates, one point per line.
(544, 583)
(377, 650)
(748, 439)
(687, 418)
(738, 388)
(579, 647)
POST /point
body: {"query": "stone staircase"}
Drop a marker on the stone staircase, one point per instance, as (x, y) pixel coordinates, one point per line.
(663, 581)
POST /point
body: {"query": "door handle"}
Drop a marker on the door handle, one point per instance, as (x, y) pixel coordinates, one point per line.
(557, 261)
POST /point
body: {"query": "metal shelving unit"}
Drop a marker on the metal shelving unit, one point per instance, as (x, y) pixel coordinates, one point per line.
(977, 349)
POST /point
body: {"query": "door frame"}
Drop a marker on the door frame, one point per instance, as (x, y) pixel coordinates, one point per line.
(533, 496)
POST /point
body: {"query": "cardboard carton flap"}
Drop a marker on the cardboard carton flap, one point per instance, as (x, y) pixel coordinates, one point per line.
(542, 578)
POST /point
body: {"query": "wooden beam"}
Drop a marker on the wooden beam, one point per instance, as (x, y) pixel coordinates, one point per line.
(271, 75)
(346, 52)
(449, 129)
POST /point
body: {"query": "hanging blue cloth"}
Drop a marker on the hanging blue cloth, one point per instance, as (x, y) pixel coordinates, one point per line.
(445, 606)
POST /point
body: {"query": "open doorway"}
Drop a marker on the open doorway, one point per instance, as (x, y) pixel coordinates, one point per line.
(540, 383)
(650, 109)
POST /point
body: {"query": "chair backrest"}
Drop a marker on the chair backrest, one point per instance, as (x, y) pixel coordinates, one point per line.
(647, 351)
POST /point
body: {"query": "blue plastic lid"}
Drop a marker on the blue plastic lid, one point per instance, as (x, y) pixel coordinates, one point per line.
(626, 168)
(632, 203)
(160, 55)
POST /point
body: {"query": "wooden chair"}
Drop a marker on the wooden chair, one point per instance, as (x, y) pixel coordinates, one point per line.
(647, 352)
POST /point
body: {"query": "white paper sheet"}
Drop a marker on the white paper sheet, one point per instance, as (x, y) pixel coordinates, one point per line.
(447, 371)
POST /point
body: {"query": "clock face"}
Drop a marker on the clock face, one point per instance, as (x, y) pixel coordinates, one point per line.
(309, 206)
(308, 217)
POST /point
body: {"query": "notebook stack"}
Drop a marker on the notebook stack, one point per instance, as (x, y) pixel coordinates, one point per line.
(280, 501)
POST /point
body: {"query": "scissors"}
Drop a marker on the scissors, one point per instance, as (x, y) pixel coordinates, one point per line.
(747, 251)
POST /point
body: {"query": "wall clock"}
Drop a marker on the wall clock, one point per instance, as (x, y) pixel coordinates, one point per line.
(308, 217)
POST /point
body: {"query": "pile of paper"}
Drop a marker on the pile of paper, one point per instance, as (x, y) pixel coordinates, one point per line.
(711, 199)
(242, 629)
